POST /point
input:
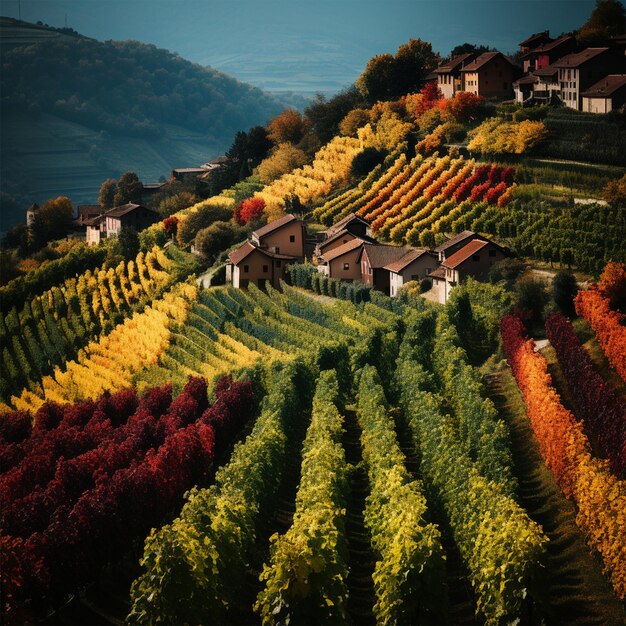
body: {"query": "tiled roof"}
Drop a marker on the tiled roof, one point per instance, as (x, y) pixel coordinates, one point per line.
(238, 255)
(189, 170)
(541, 35)
(456, 239)
(526, 80)
(275, 225)
(440, 273)
(465, 253)
(89, 209)
(455, 62)
(380, 255)
(341, 250)
(606, 87)
(343, 233)
(546, 72)
(406, 259)
(342, 223)
(119, 211)
(483, 59)
(577, 59)
(547, 47)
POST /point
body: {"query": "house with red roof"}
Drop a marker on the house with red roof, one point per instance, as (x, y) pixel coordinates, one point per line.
(474, 259)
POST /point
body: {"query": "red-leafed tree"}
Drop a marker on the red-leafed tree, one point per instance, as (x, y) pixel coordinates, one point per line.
(170, 226)
(249, 209)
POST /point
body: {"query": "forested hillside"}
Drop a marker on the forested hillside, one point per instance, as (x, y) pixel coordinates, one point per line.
(76, 111)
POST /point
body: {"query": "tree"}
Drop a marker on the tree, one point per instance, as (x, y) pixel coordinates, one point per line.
(129, 189)
(170, 226)
(17, 238)
(614, 192)
(8, 266)
(463, 107)
(288, 126)
(366, 160)
(350, 124)
(106, 197)
(606, 20)
(177, 202)
(250, 209)
(324, 116)
(388, 77)
(507, 270)
(613, 283)
(531, 296)
(259, 144)
(128, 243)
(285, 158)
(216, 238)
(564, 290)
(52, 221)
(466, 48)
(191, 223)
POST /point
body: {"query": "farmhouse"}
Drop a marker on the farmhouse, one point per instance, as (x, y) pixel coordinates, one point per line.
(414, 265)
(449, 247)
(342, 262)
(374, 259)
(534, 41)
(109, 223)
(474, 259)
(606, 95)
(251, 264)
(491, 75)
(270, 249)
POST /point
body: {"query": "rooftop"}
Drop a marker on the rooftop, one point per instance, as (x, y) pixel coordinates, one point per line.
(455, 62)
(381, 255)
(546, 72)
(460, 256)
(483, 59)
(343, 233)
(275, 225)
(238, 255)
(456, 239)
(343, 222)
(576, 59)
(406, 259)
(606, 87)
(119, 211)
(344, 249)
(536, 37)
(548, 47)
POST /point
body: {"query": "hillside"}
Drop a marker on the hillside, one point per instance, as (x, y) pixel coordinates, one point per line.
(76, 110)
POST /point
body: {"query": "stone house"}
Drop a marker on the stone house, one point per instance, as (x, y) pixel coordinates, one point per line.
(109, 223)
(449, 76)
(606, 95)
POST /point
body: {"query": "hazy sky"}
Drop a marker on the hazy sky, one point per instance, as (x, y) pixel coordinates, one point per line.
(304, 46)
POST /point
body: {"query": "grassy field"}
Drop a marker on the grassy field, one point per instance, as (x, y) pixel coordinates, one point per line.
(44, 157)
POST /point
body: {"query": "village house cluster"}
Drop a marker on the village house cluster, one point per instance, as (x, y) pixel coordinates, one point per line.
(554, 71)
(348, 252)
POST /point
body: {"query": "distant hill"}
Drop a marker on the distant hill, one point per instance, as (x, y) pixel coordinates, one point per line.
(75, 111)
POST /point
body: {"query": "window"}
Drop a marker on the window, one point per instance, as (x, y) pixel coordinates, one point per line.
(346, 267)
(277, 250)
(245, 269)
(265, 268)
(292, 238)
(475, 257)
(492, 253)
(279, 263)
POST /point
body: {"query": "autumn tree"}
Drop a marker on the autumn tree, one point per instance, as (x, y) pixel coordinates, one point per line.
(52, 221)
(606, 20)
(106, 197)
(170, 226)
(129, 189)
(613, 283)
(216, 238)
(614, 192)
(350, 124)
(324, 115)
(288, 126)
(388, 77)
(285, 158)
(249, 209)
